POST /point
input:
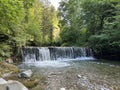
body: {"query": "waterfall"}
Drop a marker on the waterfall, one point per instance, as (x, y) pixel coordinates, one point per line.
(44, 54)
(33, 54)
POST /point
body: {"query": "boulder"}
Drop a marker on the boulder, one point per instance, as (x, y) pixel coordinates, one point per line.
(2, 81)
(11, 85)
(26, 74)
(15, 85)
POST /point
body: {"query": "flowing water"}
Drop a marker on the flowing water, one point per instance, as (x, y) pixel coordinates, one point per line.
(34, 54)
(72, 69)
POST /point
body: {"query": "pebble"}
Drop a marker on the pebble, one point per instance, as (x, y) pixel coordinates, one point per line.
(79, 76)
(62, 89)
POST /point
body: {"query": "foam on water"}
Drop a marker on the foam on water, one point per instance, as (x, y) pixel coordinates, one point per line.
(77, 59)
(48, 64)
(55, 63)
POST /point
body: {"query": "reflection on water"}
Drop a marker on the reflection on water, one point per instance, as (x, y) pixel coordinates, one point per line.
(93, 75)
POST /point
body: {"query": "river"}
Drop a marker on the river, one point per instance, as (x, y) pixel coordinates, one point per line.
(78, 74)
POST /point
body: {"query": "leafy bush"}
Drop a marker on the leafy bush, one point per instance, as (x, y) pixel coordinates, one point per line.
(5, 51)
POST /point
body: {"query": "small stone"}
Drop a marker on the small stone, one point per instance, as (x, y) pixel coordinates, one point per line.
(25, 74)
(84, 77)
(9, 60)
(105, 89)
(62, 89)
(79, 76)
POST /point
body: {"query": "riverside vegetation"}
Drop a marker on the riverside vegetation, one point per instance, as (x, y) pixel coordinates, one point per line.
(91, 23)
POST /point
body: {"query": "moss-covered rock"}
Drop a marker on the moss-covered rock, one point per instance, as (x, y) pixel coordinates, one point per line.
(34, 83)
(39, 87)
(31, 83)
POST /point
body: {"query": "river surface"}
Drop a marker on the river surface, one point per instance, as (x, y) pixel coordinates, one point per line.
(78, 75)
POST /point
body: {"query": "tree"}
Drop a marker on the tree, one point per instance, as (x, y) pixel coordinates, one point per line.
(48, 24)
(94, 23)
(102, 29)
(34, 25)
(11, 16)
(70, 22)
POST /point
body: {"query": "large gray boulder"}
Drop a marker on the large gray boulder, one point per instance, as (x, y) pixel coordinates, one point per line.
(26, 74)
(2, 81)
(12, 85)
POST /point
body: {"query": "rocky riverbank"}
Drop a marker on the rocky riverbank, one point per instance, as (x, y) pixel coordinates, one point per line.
(79, 75)
(10, 72)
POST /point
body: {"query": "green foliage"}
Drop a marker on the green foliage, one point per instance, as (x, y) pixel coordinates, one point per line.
(91, 22)
(4, 51)
(70, 22)
(11, 29)
(34, 24)
(47, 25)
(25, 22)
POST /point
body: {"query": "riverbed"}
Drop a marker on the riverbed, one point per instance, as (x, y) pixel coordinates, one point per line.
(78, 74)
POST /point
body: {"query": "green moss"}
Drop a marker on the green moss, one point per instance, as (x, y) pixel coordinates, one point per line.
(42, 82)
(31, 83)
(38, 87)
(6, 68)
